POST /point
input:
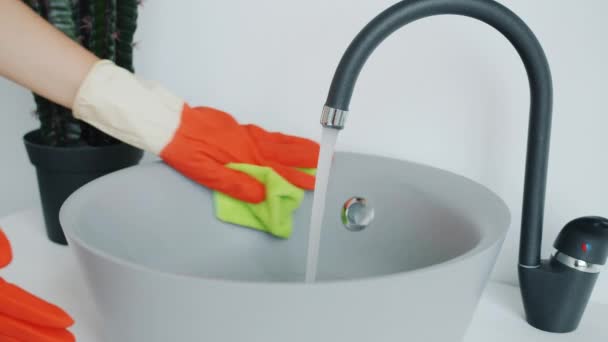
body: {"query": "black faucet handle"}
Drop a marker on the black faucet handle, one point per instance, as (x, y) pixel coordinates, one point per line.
(585, 239)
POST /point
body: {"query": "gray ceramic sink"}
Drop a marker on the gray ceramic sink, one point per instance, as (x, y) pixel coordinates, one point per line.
(162, 268)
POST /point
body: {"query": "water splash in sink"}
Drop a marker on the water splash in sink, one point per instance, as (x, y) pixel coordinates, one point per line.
(328, 142)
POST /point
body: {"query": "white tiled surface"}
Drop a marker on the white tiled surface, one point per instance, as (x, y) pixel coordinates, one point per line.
(51, 272)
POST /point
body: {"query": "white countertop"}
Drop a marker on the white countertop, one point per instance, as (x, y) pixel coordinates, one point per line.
(51, 271)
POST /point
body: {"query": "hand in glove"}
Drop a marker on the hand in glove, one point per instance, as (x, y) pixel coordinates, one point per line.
(198, 142)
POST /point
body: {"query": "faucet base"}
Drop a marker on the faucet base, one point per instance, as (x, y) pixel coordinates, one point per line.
(555, 296)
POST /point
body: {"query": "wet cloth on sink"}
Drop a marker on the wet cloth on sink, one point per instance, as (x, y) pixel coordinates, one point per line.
(275, 214)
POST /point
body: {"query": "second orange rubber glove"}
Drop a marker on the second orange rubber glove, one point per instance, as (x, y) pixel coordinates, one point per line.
(25, 317)
(198, 142)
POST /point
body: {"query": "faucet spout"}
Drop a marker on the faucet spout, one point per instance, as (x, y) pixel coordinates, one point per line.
(539, 76)
(555, 292)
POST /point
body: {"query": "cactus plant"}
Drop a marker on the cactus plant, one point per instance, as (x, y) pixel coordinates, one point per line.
(106, 28)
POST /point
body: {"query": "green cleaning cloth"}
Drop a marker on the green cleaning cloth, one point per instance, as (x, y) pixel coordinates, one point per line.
(275, 214)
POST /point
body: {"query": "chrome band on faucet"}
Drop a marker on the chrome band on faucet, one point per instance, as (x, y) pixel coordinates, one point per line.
(333, 118)
(579, 265)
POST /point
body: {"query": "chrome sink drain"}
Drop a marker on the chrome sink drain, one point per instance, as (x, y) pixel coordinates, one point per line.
(357, 214)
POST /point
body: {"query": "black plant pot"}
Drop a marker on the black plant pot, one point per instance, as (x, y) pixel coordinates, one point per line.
(62, 170)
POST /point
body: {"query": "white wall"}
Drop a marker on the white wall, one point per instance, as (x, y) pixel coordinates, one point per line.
(448, 91)
(18, 186)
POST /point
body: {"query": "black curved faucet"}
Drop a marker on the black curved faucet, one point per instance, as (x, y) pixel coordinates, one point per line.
(555, 291)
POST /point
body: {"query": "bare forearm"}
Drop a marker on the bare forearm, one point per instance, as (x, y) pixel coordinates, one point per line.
(39, 57)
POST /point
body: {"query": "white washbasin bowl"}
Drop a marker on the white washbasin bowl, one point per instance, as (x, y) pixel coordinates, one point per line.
(162, 268)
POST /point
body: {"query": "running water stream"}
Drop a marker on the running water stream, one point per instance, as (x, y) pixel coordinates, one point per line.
(328, 142)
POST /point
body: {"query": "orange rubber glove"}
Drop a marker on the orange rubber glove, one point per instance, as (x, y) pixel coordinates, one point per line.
(26, 318)
(198, 142)
(207, 139)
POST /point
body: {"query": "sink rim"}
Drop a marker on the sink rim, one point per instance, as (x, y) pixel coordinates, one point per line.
(486, 241)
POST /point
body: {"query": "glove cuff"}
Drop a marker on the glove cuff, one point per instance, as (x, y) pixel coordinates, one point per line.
(140, 113)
